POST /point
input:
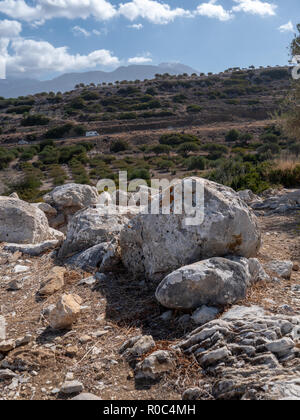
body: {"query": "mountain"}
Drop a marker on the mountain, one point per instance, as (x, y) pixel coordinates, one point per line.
(12, 88)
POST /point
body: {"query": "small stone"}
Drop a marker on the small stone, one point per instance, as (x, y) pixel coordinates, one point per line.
(280, 346)
(214, 356)
(191, 394)
(85, 339)
(153, 366)
(281, 268)
(23, 340)
(71, 387)
(69, 376)
(16, 285)
(89, 281)
(7, 345)
(71, 351)
(66, 312)
(86, 396)
(54, 281)
(296, 267)
(167, 316)
(7, 374)
(20, 269)
(2, 328)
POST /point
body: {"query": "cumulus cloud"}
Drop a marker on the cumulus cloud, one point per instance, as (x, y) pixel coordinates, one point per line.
(10, 28)
(213, 10)
(142, 59)
(151, 10)
(255, 7)
(288, 27)
(40, 56)
(42, 10)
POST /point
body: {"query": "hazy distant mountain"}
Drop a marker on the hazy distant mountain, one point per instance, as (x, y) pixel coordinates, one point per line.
(12, 88)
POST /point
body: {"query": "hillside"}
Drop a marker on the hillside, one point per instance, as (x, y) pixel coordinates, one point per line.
(171, 125)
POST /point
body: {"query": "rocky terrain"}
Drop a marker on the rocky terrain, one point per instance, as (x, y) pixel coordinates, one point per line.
(127, 305)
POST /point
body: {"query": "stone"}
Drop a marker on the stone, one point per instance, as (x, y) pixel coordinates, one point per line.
(282, 346)
(281, 268)
(66, 312)
(75, 196)
(16, 285)
(86, 396)
(20, 269)
(284, 390)
(192, 394)
(89, 227)
(90, 259)
(7, 374)
(247, 195)
(22, 223)
(111, 259)
(153, 366)
(243, 312)
(214, 356)
(53, 282)
(23, 341)
(2, 328)
(35, 250)
(137, 346)
(217, 281)
(88, 281)
(204, 314)
(46, 208)
(71, 387)
(7, 345)
(156, 244)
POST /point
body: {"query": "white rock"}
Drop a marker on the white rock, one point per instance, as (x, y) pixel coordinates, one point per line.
(2, 328)
(204, 314)
(214, 356)
(280, 346)
(243, 312)
(20, 269)
(76, 196)
(281, 268)
(71, 387)
(66, 312)
(153, 366)
(34, 249)
(155, 244)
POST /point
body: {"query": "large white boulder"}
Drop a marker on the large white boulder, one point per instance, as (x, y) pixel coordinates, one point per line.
(74, 196)
(156, 244)
(23, 223)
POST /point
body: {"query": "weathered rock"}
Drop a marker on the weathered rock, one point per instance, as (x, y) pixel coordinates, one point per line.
(191, 394)
(90, 227)
(66, 312)
(288, 390)
(53, 282)
(137, 346)
(34, 249)
(74, 196)
(282, 346)
(153, 366)
(217, 281)
(111, 258)
(86, 396)
(22, 223)
(71, 387)
(20, 269)
(214, 356)
(7, 345)
(89, 259)
(243, 312)
(156, 244)
(247, 195)
(281, 268)
(7, 374)
(2, 328)
(204, 314)
(46, 208)
(16, 285)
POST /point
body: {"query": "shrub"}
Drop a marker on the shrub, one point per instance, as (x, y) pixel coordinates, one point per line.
(195, 162)
(186, 148)
(232, 135)
(174, 139)
(35, 120)
(118, 146)
(160, 149)
(193, 108)
(58, 132)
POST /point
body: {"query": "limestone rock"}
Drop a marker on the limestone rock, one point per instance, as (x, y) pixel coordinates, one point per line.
(22, 223)
(71, 387)
(153, 366)
(137, 346)
(2, 328)
(86, 396)
(204, 314)
(90, 227)
(75, 196)
(89, 259)
(66, 312)
(281, 268)
(34, 249)
(156, 244)
(217, 281)
(53, 282)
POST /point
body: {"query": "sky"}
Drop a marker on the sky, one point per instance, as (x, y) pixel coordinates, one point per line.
(44, 38)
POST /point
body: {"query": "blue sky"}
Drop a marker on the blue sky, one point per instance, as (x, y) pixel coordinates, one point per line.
(42, 38)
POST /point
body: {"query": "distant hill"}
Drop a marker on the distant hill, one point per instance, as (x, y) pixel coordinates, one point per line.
(12, 88)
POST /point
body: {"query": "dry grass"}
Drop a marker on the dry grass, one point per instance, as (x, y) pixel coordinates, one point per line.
(286, 163)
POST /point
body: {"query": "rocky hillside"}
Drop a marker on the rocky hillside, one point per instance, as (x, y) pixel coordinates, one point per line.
(102, 304)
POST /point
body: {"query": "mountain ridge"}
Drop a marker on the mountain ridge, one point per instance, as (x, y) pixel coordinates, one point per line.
(12, 88)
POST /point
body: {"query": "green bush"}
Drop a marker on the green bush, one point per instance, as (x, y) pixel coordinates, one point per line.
(35, 120)
(174, 139)
(119, 146)
(195, 162)
(232, 135)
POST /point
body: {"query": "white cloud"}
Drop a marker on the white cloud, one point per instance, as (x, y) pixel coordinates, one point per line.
(288, 27)
(40, 57)
(151, 10)
(96, 32)
(255, 7)
(142, 59)
(43, 10)
(213, 10)
(10, 28)
(77, 30)
(137, 26)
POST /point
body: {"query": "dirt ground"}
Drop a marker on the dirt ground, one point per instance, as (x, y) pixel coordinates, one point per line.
(116, 309)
